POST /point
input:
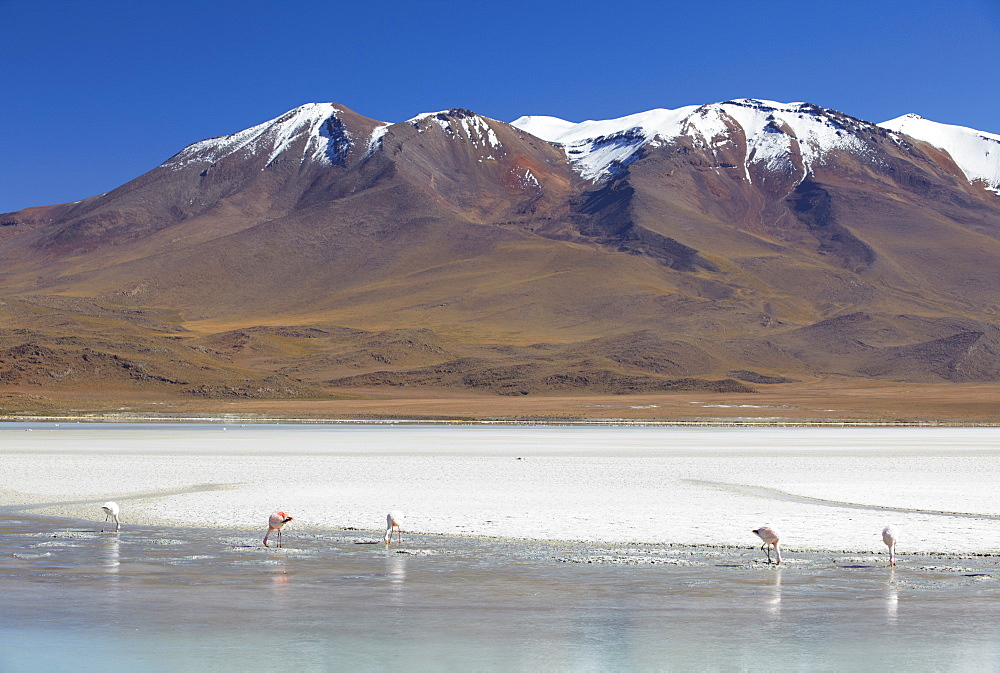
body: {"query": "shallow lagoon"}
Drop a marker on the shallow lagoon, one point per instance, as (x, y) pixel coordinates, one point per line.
(182, 599)
(161, 597)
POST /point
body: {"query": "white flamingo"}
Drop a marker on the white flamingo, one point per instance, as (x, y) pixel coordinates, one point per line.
(111, 511)
(393, 519)
(770, 538)
(889, 538)
(274, 523)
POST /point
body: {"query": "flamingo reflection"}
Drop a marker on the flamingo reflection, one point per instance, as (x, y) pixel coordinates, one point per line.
(112, 554)
(891, 598)
(774, 602)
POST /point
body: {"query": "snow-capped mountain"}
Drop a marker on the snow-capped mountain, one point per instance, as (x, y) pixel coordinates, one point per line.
(747, 235)
(790, 138)
(977, 153)
(315, 128)
(771, 135)
(315, 133)
(775, 136)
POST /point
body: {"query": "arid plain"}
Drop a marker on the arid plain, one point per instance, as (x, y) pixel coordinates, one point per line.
(824, 402)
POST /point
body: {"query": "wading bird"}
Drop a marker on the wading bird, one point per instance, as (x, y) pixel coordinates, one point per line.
(274, 523)
(770, 537)
(111, 511)
(393, 519)
(889, 537)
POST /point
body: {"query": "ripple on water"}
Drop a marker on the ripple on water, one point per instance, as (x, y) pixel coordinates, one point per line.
(29, 556)
(55, 543)
(241, 541)
(187, 560)
(630, 560)
(259, 550)
(256, 563)
(753, 565)
(981, 577)
(77, 535)
(920, 585)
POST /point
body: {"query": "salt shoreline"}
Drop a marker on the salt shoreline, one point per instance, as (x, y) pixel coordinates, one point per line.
(601, 552)
(701, 421)
(828, 489)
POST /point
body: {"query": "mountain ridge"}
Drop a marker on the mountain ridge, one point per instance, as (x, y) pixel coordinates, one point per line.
(659, 250)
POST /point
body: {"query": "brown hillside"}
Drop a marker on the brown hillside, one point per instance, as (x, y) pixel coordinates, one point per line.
(455, 252)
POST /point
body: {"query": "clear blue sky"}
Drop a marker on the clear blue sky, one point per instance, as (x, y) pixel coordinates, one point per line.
(96, 92)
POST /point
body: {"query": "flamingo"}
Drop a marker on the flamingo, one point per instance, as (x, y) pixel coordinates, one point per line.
(393, 519)
(111, 511)
(770, 537)
(274, 523)
(889, 538)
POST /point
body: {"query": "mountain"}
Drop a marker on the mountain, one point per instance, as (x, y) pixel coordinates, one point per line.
(772, 135)
(718, 247)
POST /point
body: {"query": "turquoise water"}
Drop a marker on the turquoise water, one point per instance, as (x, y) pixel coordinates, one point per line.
(160, 599)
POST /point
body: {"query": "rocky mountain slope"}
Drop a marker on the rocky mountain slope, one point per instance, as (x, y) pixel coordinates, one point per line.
(723, 246)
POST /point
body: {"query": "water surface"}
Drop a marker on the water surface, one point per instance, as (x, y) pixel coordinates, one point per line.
(672, 579)
(168, 599)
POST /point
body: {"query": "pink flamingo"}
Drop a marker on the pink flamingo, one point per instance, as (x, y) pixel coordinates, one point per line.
(770, 537)
(889, 538)
(111, 511)
(274, 523)
(393, 519)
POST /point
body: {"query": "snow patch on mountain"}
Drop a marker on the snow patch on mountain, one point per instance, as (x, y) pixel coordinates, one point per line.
(417, 121)
(527, 180)
(462, 125)
(326, 139)
(600, 148)
(977, 153)
(774, 133)
(375, 139)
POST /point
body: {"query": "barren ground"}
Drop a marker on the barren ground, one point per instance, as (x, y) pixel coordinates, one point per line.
(823, 400)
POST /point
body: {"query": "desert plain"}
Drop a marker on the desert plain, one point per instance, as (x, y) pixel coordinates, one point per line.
(823, 401)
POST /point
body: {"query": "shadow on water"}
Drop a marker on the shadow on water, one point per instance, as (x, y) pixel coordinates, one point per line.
(174, 599)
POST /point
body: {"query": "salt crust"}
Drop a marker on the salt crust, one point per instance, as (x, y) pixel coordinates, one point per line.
(661, 485)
